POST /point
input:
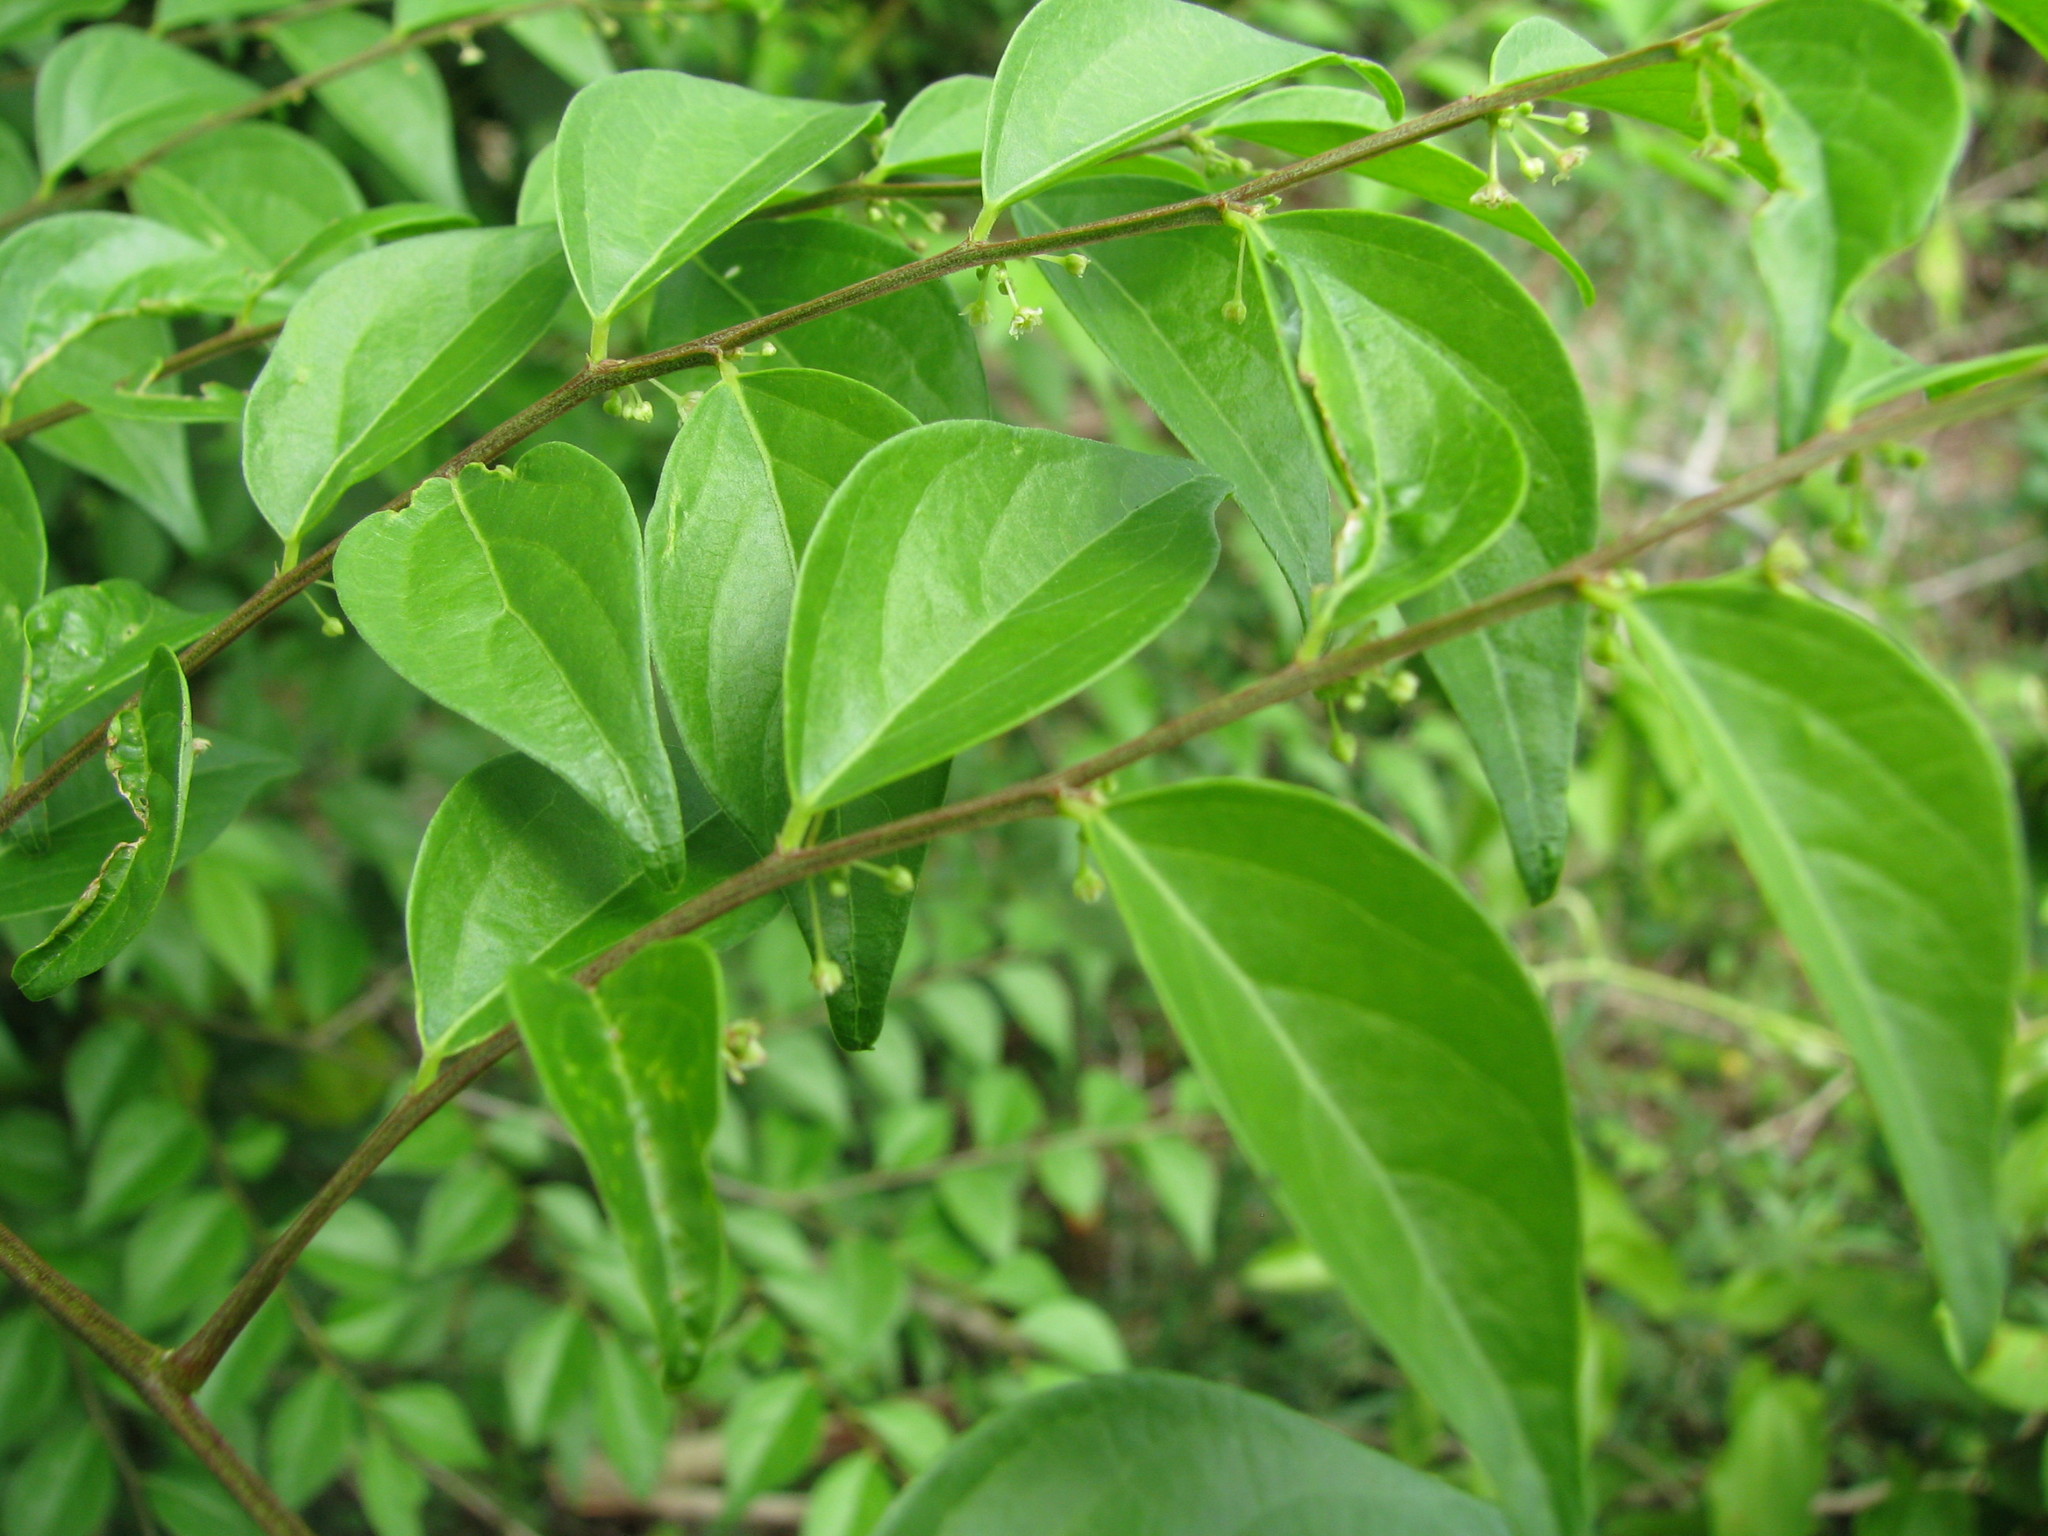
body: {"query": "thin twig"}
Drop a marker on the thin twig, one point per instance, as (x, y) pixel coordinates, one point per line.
(235, 338)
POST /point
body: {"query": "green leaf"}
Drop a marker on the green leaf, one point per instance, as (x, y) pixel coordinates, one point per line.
(359, 1252)
(939, 131)
(150, 756)
(309, 1437)
(1380, 1054)
(256, 191)
(1304, 120)
(653, 165)
(1082, 79)
(108, 94)
(1876, 816)
(392, 221)
(383, 350)
(537, 189)
(184, 1251)
(634, 1415)
(1536, 46)
(546, 1372)
(1864, 112)
(1154, 304)
(216, 402)
(1515, 686)
(87, 644)
(471, 1212)
(151, 1147)
(643, 1051)
(1152, 1452)
(24, 566)
(1765, 1478)
(913, 345)
(513, 596)
(999, 570)
(25, 19)
(849, 1499)
(567, 42)
(62, 276)
(392, 1490)
(1434, 470)
(771, 1433)
(517, 866)
(191, 1502)
(17, 170)
(1038, 999)
(63, 1487)
(854, 1308)
(1187, 1187)
(88, 817)
(1934, 379)
(397, 108)
(430, 1421)
(2029, 18)
(234, 923)
(33, 1374)
(1075, 1333)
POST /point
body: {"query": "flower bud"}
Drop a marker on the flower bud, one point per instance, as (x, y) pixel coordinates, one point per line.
(1532, 167)
(1088, 884)
(740, 1049)
(1235, 311)
(1026, 320)
(1493, 195)
(1577, 122)
(837, 888)
(900, 880)
(1403, 686)
(826, 976)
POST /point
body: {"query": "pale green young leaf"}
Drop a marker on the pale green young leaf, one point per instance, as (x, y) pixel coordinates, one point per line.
(384, 349)
(1155, 305)
(62, 276)
(642, 1052)
(110, 93)
(88, 816)
(309, 1437)
(150, 756)
(939, 131)
(653, 165)
(514, 596)
(256, 191)
(1147, 1451)
(1082, 79)
(634, 1415)
(1538, 45)
(1304, 120)
(914, 346)
(992, 571)
(88, 643)
(1380, 1054)
(24, 564)
(1876, 817)
(397, 108)
(771, 1434)
(1515, 686)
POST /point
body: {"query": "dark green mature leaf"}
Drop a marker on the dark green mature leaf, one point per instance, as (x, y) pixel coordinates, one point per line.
(65, 1484)
(256, 191)
(397, 108)
(110, 93)
(24, 563)
(1148, 1452)
(2029, 18)
(1875, 814)
(514, 596)
(1154, 304)
(914, 346)
(939, 131)
(88, 643)
(1434, 471)
(634, 1070)
(1304, 120)
(64, 275)
(965, 577)
(517, 866)
(383, 350)
(1864, 113)
(1379, 1052)
(149, 753)
(88, 818)
(653, 165)
(17, 170)
(1082, 79)
(1516, 686)
(32, 1373)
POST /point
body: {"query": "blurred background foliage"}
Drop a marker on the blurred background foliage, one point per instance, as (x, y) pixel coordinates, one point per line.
(1023, 1182)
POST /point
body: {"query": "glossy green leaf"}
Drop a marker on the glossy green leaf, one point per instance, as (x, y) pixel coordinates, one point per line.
(87, 644)
(397, 108)
(914, 346)
(1874, 813)
(309, 1437)
(2029, 18)
(513, 596)
(1082, 79)
(996, 571)
(24, 564)
(88, 816)
(1150, 1452)
(771, 1433)
(1154, 304)
(256, 191)
(150, 756)
(1304, 120)
(939, 131)
(634, 1415)
(1538, 45)
(653, 165)
(391, 221)
(64, 1486)
(110, 93)
(1380, 1054)
(384, 349)
(1516, 685)
(743, 488)
(642, 1053)
(62, 276)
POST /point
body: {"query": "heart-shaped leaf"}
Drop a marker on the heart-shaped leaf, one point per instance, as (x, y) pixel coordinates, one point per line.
(513, 596)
